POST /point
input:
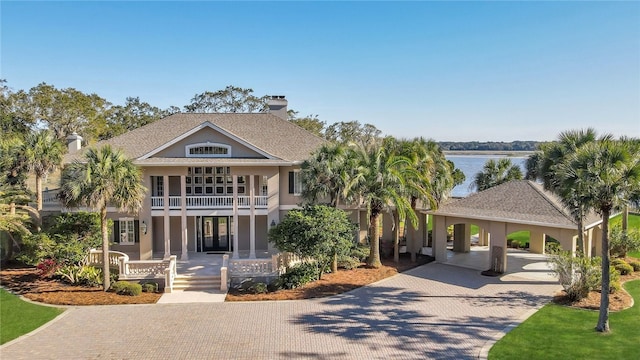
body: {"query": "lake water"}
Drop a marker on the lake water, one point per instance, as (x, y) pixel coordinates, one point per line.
(473, 164)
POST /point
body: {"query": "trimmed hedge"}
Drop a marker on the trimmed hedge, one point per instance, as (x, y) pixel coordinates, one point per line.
(126, 288)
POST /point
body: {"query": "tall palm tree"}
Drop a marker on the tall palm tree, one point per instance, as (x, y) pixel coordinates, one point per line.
(382, 186)
(104, 177)
(42, 154)
(424, 160)
(495, 173)
(608, 172)
(549, 158)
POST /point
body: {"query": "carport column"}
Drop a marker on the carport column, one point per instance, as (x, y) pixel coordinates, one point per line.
(536, 242)
(235, 216)
(483, 237)
(439, 238)
(183, 216)
(167, 225)
(498, 251)
(588, 238)
(252, 217)
(461, 238)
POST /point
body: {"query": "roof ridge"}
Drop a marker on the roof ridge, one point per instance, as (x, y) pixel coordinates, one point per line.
(545, 195)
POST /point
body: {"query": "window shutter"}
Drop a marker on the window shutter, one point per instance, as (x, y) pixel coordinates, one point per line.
(136, 230)
(291, 182)
(116, 231)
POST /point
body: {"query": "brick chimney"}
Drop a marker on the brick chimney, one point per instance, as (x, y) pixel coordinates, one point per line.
(74, 143)
(278, 106)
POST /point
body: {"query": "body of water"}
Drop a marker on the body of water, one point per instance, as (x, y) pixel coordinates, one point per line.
(473, 164)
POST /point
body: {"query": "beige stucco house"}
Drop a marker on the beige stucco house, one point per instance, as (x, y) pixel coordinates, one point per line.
(215, 182)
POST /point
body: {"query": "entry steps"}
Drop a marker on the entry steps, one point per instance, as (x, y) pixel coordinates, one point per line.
(193, 282)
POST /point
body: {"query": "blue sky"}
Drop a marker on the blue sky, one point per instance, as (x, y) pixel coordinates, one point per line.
(461, 71)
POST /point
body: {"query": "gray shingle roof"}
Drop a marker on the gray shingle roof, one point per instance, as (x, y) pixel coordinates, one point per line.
(272, 135)
(518, 201)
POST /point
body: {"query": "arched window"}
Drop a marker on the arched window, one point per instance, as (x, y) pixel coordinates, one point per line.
(208, 150)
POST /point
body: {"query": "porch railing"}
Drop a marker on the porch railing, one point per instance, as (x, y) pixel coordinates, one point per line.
(209, 202)
(138, 269)
(277, 265)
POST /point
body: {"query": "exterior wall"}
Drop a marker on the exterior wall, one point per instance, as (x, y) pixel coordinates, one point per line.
(287, 199)
(176, 234)
(174, 186)
(243, 233)
(157, 229)
(261, 233)
(208, 134)
(191, 233)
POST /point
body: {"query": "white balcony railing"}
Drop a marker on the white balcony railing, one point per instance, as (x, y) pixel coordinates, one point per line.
(209, 202)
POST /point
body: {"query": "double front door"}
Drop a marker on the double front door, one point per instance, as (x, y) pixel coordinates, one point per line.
(215, 233)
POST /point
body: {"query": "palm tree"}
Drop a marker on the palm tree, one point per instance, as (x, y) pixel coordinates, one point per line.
(381, 185)
(495, 173)
(608, 173)
(42, 154)
(549, 158)
(105, 177)
(424, 160)
(15, 214)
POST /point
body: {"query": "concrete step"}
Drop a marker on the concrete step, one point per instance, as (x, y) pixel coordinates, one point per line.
(196, 282)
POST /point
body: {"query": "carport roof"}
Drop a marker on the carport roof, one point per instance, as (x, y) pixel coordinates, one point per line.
(518, 201)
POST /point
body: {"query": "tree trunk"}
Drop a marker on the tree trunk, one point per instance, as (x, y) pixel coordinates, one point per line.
(374, 242)
(581, 237)
(603, 318)
(106, 281)
(625, 219)
(334, 264)
(39, 202)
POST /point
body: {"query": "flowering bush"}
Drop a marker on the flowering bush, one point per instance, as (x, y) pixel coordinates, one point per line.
(47, 268)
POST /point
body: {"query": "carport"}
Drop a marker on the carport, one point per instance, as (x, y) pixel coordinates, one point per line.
(499, 211)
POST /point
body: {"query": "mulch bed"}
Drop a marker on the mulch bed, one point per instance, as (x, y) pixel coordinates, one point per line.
(27, 282)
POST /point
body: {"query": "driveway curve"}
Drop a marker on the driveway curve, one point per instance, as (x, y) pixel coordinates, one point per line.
(435, 311)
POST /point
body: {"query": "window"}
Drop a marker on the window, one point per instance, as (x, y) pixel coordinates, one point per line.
(295, 183)
(158, 185)
(263, 186)
(127, 231)
(211, 150)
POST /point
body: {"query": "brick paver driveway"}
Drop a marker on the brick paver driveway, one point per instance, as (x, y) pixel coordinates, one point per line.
(435, 311)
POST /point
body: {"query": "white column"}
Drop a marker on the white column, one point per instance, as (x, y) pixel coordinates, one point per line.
(235, 216)
(252, 217)
(183, 216)
(167, 227)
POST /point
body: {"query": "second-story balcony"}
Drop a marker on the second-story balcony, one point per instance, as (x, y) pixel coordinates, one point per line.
(208, 202)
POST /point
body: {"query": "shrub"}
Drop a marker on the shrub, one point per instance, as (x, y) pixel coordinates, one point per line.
(297, 276)
(552, 247)
(614, 280)
(47, 268)
(70, 273)
(126, 288)
(620, 243)
(635, 265)
(149, 287)
(622, 267)
(348, 262)
(259, 288)
(360, 252)
(577, 274)
(91, 276)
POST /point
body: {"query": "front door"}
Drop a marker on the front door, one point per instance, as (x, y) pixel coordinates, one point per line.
(215, 233)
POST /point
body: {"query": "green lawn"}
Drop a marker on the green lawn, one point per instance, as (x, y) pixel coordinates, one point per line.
(18, 317)
(559, 332)
(634, 221)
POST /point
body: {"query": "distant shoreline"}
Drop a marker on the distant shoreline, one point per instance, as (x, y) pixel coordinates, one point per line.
(488, 152)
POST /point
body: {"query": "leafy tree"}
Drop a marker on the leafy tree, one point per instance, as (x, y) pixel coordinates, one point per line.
(353, 132)
(134, 114)
(64, 111)
(623, 241)
(15, 216)
(318, 231)
(495, 173)
(42, 154)
(105, 177)
(609, 172)
(15, 115)
(311, 123)
(230, 100)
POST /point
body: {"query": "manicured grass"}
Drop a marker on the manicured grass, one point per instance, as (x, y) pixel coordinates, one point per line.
(18, 317)
(634, 221)
(521, 236)
(559, 332)
(634, 254)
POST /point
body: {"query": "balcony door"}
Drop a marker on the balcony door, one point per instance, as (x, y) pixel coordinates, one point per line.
(216, 233)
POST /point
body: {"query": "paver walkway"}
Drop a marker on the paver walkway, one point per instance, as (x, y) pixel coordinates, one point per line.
(435, 311)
